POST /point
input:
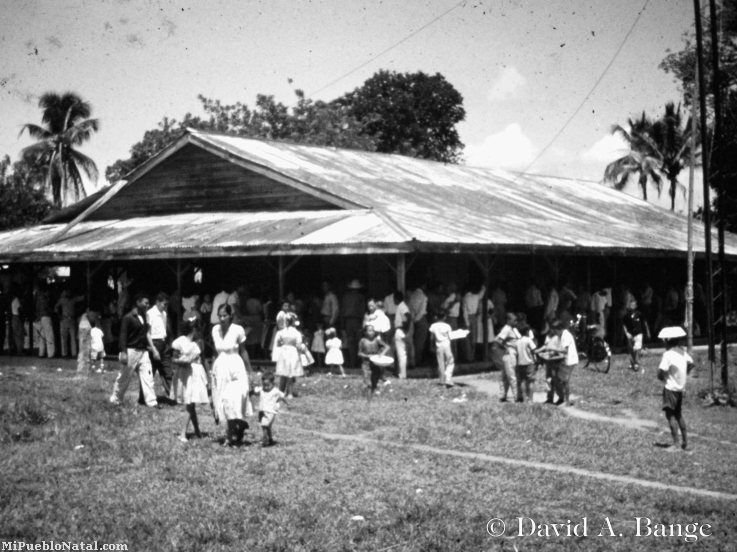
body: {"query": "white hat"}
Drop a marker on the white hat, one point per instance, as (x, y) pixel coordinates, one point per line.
(355, 284)
(672, 332)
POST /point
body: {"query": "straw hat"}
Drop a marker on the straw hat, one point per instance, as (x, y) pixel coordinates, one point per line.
(672, 332)
(355, 284)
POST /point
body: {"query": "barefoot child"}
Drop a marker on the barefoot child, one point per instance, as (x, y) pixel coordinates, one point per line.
(334, 355)
(317, 345)
(270, 397)
(675, 365)
(97, 346)
(371, 344)
(440, 331)
(189, 384)
(526, 366)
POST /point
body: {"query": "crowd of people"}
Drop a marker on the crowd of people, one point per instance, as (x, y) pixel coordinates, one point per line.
(202, 347)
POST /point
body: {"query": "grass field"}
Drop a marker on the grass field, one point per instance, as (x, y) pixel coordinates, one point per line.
(75, 468)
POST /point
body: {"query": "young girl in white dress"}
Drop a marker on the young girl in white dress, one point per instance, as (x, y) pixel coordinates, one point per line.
(334, 355)
(230, 374)
(189, 384)
(288, 345)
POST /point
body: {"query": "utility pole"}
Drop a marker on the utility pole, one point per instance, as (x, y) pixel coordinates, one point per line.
(719, 185)
(705, 163)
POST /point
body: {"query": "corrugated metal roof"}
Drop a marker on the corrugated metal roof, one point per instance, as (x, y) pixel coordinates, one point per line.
(208, 234)
(410, 204)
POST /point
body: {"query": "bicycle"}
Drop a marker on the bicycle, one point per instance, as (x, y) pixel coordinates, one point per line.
(591, 344)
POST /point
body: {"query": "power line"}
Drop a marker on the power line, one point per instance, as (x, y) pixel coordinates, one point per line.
(385, 50)
(586, 98)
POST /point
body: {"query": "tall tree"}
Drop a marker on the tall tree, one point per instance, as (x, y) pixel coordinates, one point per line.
(660, 148)
(22, 202)
(639, 161)
(410, 113)
(66, 124)
(307, 122)
(671, 144)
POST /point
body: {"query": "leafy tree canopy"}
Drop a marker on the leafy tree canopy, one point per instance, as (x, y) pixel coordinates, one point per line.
(412, 114)
(22, 199)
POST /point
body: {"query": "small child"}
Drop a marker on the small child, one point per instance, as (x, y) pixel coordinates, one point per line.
(270, 397)
(189, 383)
(675, 365)
(440, 331)
(317, 345)
(508, 337)
(97, 346)
(371, 344)
(334, 354)
(526, 366)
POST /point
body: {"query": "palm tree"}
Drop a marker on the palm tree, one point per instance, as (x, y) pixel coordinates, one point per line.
(660, 148)
(66, 124)
(671, 143)
(639, 161)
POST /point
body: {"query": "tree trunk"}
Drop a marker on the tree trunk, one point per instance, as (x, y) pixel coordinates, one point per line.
(643, 185)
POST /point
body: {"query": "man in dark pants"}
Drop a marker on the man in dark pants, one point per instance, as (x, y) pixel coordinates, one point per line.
(135, 347)
(158, 320)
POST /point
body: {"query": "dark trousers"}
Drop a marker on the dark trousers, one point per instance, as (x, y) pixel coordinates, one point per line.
(161, 366)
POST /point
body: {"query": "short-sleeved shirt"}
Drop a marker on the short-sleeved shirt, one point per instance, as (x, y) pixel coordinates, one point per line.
(633, 322)
(157, 321)
(269, 400)
(525, 347)
(508, 336)
(441, 332)
(96, 337)
(675, 363)
(568, 343)
(401, 314)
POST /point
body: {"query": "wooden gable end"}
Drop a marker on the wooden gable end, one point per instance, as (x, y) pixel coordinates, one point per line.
(194, 180)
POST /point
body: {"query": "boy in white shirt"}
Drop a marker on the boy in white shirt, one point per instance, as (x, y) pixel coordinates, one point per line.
(675, 365)
(565, 345)
(525, 362)
(97, 346)
(440, 331)
(508, 337)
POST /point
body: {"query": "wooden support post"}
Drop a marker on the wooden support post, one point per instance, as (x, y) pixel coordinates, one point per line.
(486, 271)
(178, 306)
(402, 272)
(88, 279)
(282, 274)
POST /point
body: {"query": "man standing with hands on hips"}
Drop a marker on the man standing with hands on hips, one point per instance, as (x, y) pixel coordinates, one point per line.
(158, 320)
(135, 347)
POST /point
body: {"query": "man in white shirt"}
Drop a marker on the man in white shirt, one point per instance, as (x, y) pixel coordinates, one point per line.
(158, 321)
(402, 324)
(330, 308)
(672, 371)
(418, 307)
(220, 299)
(440, 331)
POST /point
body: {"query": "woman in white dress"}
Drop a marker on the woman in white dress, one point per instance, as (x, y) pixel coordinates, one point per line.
(288, 345)
(189, 384)
(230, 374)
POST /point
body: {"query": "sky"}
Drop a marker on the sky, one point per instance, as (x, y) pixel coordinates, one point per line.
(523, 67)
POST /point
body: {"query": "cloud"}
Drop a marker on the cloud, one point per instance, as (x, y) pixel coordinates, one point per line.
(507, 84)
(509, 149)
(605, 150)
(169, 26)
(54, 41)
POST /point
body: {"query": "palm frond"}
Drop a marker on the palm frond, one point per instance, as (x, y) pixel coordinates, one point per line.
(86, 164)
(35, 131)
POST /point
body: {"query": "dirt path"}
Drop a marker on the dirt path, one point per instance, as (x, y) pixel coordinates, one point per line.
(630, 420)
(559, 468)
